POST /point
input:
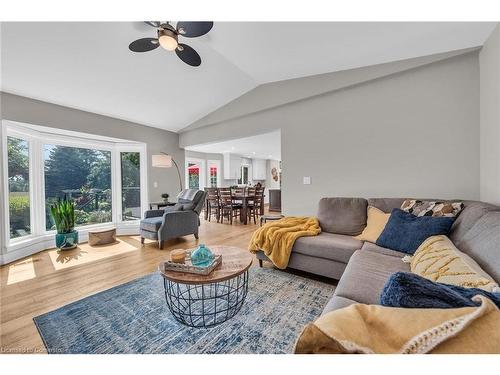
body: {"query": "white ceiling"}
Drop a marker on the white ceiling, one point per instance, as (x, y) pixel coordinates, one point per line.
(262, 146)
(87, 65)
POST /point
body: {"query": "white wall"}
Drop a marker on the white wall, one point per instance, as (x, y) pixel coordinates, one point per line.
(413, 133)
(489, 63)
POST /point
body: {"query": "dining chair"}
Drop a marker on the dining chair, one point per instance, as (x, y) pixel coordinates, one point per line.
(254, 204)
(213, 204)
(230, 208)
(260, 192)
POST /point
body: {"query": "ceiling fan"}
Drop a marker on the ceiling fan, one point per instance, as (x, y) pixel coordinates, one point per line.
(168, 39)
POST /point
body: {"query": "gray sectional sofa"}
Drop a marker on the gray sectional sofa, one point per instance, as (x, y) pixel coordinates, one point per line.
(363, 268)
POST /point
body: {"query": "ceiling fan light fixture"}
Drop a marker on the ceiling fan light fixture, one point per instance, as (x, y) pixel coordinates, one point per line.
(167, 39)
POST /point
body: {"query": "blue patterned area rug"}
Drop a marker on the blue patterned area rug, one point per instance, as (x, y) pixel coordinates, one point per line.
(134, 318)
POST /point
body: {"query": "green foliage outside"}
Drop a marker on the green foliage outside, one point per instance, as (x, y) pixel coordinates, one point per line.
(19, 201)
(82, 175)
(19, 212)
(131, 182)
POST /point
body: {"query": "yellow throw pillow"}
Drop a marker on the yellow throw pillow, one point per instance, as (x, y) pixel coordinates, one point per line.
(438, 259)
(375, 225)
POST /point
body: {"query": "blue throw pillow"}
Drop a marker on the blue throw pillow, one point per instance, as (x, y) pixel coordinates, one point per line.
(405, 232)
(408, 290)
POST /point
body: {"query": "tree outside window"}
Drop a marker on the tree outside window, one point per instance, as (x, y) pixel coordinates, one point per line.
(82, 175)
(19, 187)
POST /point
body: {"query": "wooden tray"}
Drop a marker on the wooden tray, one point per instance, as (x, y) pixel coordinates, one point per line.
(189, 268)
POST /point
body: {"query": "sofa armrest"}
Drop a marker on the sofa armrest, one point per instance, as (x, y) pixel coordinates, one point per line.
(153, 213)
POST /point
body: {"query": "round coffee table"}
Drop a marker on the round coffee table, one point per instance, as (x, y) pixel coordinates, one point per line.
(208, 300)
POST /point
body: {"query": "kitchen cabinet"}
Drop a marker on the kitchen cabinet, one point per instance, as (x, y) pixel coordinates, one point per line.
(232, 167)
(259, 169)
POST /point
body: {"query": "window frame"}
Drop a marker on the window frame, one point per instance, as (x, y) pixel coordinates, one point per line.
(37, 139)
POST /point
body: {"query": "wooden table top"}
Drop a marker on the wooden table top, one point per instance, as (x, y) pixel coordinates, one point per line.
(235, 261)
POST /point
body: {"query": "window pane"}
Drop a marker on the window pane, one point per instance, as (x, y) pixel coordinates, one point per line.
(19, 187)
(83, 175)
(213, 176)
(131, 185)
(193, 176)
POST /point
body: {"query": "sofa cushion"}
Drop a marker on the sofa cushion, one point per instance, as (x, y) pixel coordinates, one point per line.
(342, 215)
(336, 303)
(472, 212)
(151, 224)
(482, 243)
(386, 204)
(366, 274)
(368, 246)
(325, 245)
(405, 232)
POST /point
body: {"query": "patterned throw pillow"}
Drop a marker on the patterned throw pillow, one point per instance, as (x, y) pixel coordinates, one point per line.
(438, 259)
(432, 208)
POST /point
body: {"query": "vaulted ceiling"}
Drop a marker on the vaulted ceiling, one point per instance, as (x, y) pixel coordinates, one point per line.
(87, 65)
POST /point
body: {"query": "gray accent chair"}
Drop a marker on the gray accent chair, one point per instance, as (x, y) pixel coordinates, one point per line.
(363, 268)
(176, 221)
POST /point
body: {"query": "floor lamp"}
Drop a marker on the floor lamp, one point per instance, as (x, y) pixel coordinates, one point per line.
(164, 160)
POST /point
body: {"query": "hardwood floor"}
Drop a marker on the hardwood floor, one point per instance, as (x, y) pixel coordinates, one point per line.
(45, 281)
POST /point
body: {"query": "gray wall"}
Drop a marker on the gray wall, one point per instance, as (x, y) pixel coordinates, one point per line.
(21, 109)
(489, 62)
(414, 133)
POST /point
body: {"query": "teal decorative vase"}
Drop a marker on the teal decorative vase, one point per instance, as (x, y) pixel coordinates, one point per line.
(67, 241)
(202, 256)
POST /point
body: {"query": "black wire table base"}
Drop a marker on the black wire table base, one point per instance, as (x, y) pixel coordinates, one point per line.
(206, 305)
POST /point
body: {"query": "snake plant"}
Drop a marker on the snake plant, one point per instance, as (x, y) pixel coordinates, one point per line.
(63, 213)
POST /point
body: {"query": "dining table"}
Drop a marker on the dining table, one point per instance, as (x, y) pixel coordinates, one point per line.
(244, 198)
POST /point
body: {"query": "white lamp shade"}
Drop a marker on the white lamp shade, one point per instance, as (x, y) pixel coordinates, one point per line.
(162, 161)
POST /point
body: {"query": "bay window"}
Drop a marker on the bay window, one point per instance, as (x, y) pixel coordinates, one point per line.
(104, 177)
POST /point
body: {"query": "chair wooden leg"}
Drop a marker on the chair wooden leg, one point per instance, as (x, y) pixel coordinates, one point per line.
(260, 263)
(196, 235)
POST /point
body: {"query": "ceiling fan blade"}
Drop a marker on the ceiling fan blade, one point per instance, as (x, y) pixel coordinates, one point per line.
(153, 23)
(143, 45)
(188, 55)
(193, 29)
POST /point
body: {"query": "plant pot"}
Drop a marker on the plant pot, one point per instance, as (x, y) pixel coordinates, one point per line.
(67, 241)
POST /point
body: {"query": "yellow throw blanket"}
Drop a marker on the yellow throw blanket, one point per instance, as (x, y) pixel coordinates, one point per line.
(362, 328)
(276, 238)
